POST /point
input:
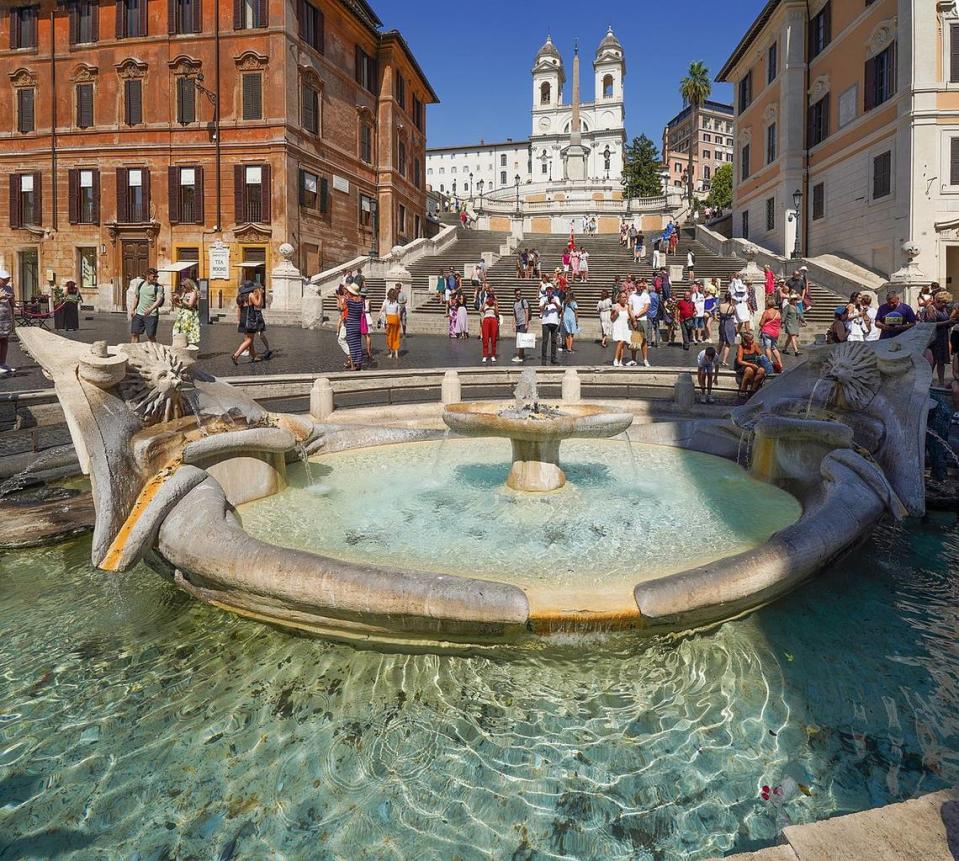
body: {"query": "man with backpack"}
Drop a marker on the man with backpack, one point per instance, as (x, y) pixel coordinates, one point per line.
(145, 298)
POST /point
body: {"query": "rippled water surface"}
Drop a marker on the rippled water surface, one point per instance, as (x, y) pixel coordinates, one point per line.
(444, 507)
(137, 723)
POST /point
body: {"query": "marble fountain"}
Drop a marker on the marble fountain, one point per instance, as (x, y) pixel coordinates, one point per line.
(186, 469)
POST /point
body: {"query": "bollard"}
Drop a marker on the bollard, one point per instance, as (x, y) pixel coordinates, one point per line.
(684, 391)
(321, 399)
(452, 392)
(572, 389)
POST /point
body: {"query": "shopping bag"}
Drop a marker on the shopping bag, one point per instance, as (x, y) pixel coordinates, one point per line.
(525, 341)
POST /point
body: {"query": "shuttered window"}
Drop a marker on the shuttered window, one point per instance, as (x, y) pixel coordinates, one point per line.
(818, 124)
(184, 16)
(131, 18)
(23, 27)
(770, 213)
(954, 161)
(954, 53)
(745, 91)
(250, 14)
(744, 164)
(133, 102)
(772, 62)
(400, 91)
(311, 25)
(880, 78)
(84, 196)
(366, 142)
(311, 109)
(26, 113)
(26, 199)
(882, 175)
(252, 107)
(770, 143)
(133, 195)
(186, 195)
(820, 31)
(818, 201)
(84, 22)
(84, 106)
(417, 113)
(252, 193)
(365, 70)
(185, 100)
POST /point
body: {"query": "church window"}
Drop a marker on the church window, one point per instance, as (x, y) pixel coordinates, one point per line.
(545, 96)
(608, 87)
(502, 177)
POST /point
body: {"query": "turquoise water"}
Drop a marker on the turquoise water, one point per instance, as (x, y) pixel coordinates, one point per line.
(444, 507)
(137, 723)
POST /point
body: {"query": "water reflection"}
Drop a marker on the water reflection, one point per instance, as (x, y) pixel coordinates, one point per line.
(134, 720)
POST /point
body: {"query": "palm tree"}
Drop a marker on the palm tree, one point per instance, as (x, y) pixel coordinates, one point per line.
(695, 89)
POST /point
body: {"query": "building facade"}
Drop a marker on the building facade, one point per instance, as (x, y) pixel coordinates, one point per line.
(174, 132)
(853, 109)
(715, 144)
(457, 171)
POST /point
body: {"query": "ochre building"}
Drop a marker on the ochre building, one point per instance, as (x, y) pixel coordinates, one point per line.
(138, 133)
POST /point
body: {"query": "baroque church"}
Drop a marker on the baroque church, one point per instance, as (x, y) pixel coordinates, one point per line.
(543, 157)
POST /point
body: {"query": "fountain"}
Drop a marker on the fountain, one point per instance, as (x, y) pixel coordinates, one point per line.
(836, 443)
(535, 431)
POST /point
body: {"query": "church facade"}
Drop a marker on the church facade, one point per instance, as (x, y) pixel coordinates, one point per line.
(475, 170)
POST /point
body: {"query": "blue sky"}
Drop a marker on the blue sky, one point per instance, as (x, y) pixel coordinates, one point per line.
(478, 55)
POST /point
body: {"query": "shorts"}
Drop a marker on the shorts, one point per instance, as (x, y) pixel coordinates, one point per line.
(140, 325)
(699, 322)
(767, 342)
(708, 369)
(521, 328)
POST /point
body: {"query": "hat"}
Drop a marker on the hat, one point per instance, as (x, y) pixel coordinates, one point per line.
(840, 310)
(247, 287)
(4, 275)
(803, 269)
(352, 288)
(794, 295)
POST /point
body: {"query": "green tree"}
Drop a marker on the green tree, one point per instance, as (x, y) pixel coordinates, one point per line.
(695, 88)
(721, 187)
(641, 166)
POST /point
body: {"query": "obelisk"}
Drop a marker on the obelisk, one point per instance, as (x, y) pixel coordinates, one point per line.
(574, 155)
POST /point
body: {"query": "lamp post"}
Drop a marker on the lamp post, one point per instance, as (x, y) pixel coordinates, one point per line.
(481, 184)
(516, 181)
(606, 161)
(471, 187)
(797, 202)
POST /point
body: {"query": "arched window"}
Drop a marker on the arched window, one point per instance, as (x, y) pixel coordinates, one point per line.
(545, 96)
(608, 87)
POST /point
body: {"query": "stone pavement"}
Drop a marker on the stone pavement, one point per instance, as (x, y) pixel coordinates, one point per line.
(302, 351)
(921, 829)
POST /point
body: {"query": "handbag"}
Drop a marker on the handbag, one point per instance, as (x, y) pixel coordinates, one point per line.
(525, 341)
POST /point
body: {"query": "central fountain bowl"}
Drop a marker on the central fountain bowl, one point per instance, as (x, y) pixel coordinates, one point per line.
(535, 433)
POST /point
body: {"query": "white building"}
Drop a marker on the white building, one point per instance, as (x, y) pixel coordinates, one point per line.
(459, 170)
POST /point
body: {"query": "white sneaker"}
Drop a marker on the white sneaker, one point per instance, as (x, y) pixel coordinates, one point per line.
(493, 358)
(483, 360)
(645, 363)
(631, 363)
(516, 359)
(5, 372)
(559, 349)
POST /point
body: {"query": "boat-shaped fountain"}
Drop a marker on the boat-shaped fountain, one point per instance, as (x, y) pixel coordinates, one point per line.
(174, 457)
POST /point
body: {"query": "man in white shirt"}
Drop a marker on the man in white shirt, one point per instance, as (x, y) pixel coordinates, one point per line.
(638, 302)
(698, 298)
(549, 314)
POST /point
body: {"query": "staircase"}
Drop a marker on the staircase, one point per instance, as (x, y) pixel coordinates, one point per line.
(462, 255)
(607, 259)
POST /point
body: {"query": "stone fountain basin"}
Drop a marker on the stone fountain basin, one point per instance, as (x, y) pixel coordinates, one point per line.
(482, 418)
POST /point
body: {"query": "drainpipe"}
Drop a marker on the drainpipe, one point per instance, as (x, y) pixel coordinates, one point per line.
(216, 117)
(53, 115)
(805, 168)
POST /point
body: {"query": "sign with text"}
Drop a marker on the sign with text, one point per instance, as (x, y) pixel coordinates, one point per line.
(219, 262)
(341, 184)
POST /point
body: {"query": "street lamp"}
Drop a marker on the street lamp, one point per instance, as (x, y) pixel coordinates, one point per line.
(606, 161)
(471, 187)
(516, 180)
(481, 183)
(797, 202)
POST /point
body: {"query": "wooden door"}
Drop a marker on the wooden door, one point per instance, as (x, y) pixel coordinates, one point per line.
(136, 259)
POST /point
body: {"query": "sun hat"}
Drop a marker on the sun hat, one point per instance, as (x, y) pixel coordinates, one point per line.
(803, 269)
(4, 275)
(352, 288)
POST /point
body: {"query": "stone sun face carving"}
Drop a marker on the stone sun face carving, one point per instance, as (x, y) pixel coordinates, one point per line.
(156, 378)
(853, 368)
